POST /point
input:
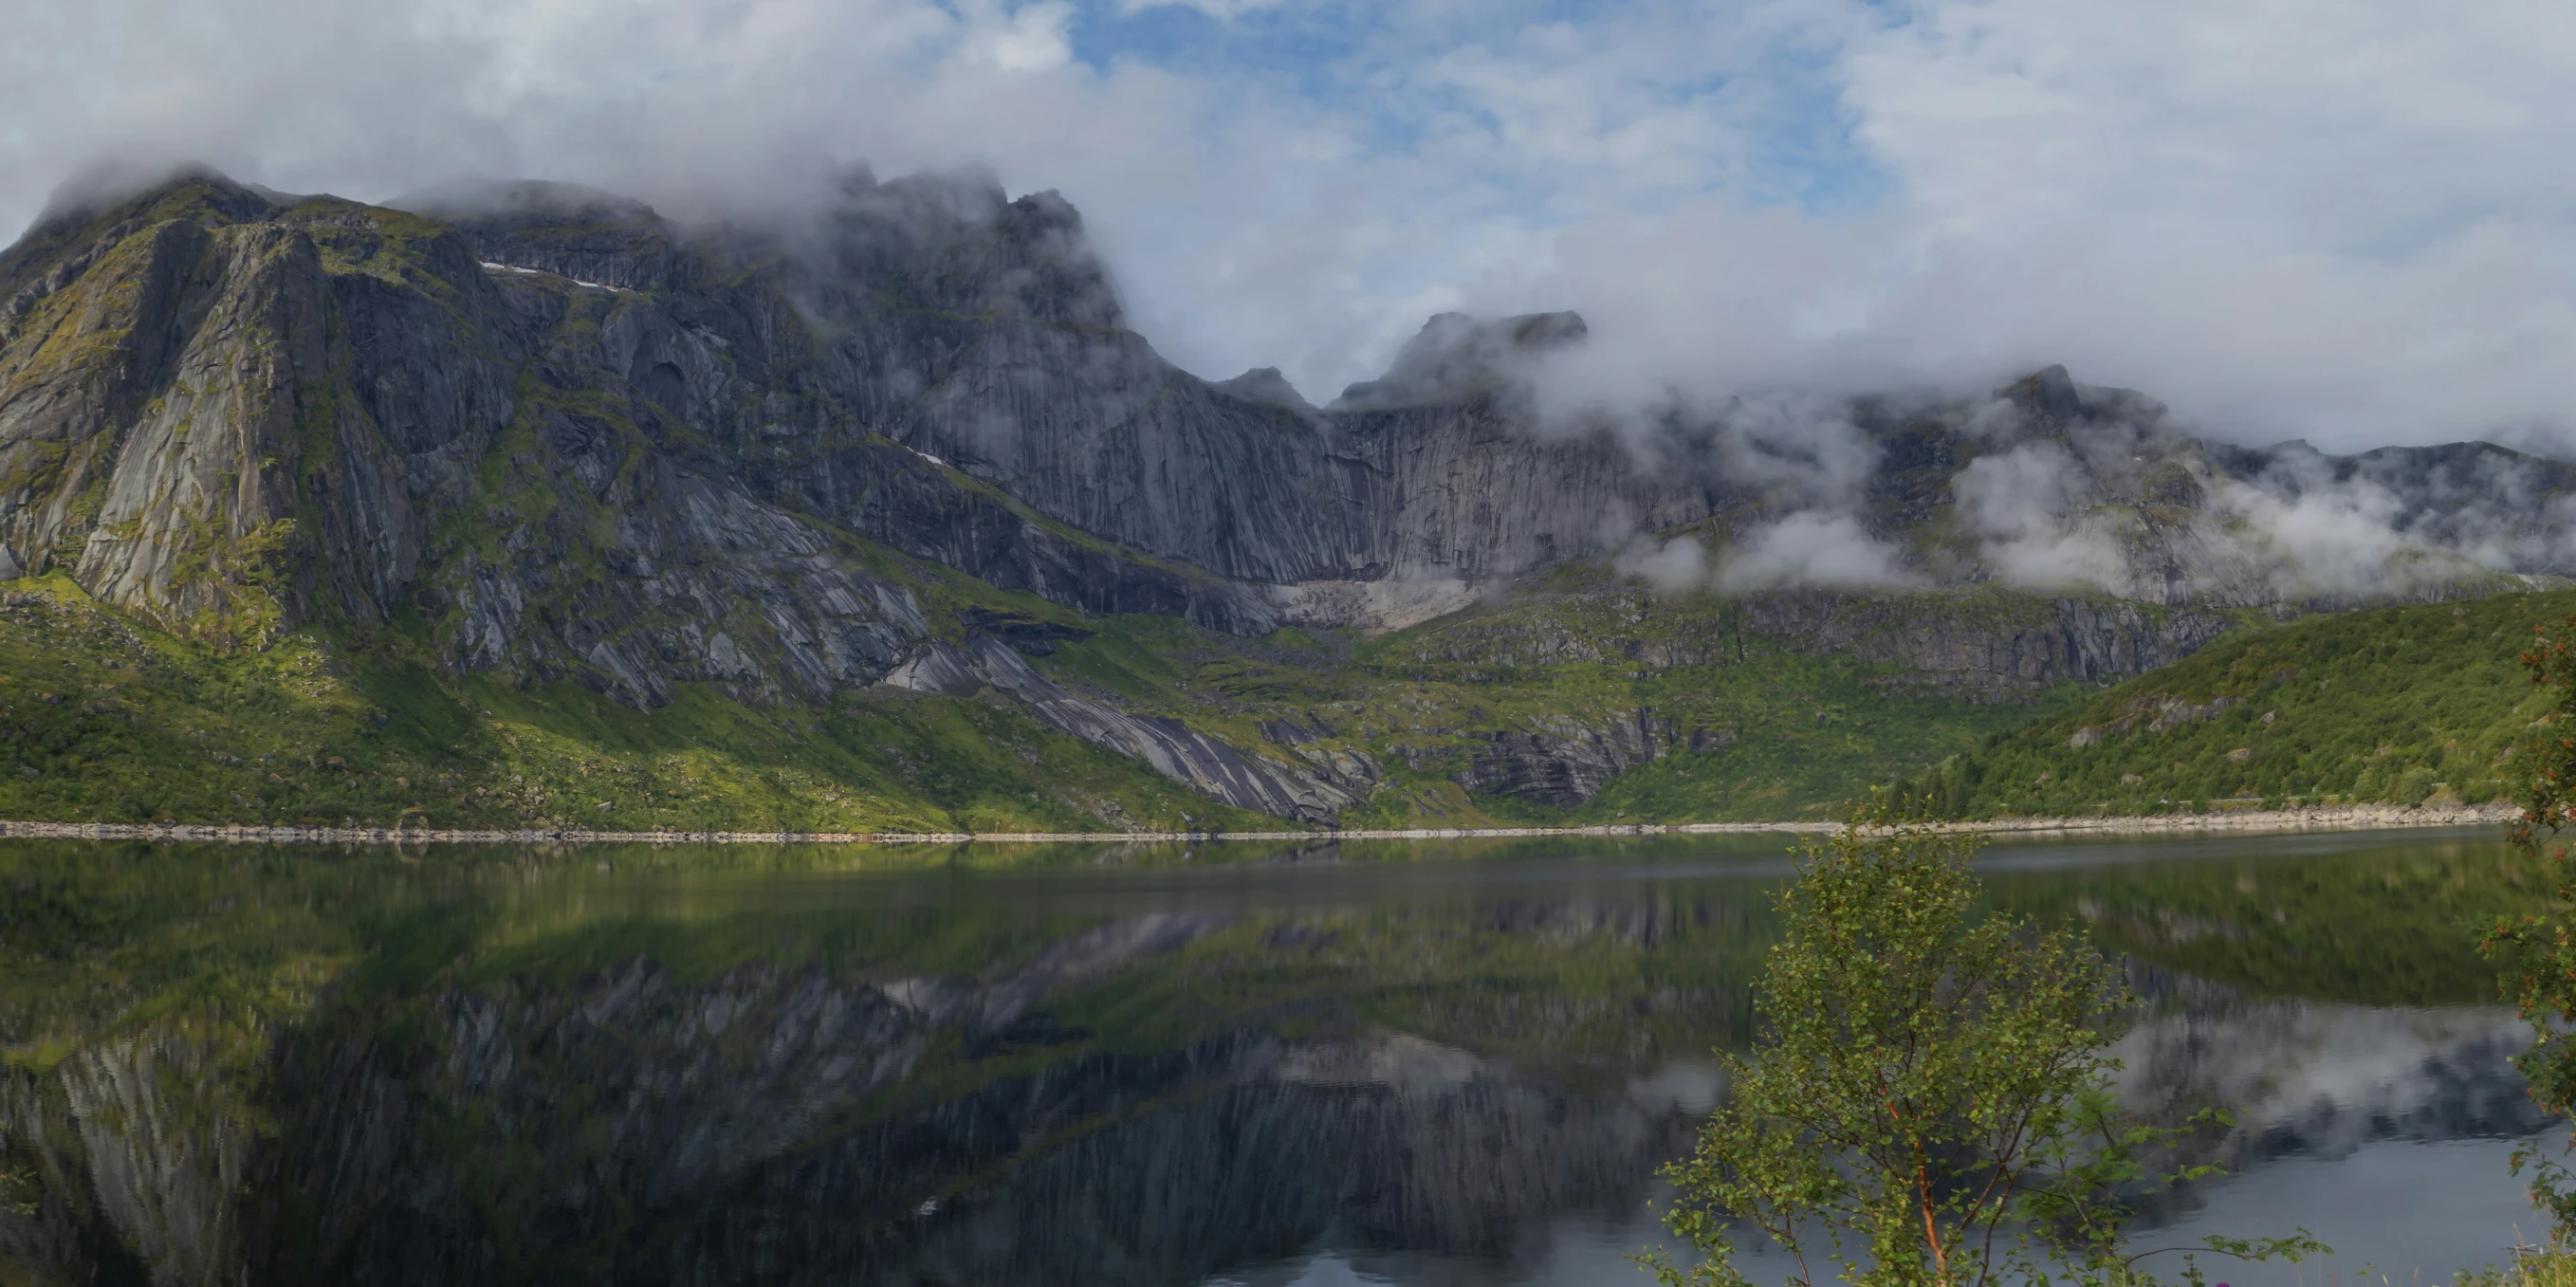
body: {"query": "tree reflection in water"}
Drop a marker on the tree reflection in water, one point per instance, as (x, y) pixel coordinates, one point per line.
(1059, 1066)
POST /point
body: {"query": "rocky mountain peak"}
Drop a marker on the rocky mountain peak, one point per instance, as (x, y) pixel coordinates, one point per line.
(565, 229)
(1266, 385)
(96, 210)
(840, 368)
(129, 191)
(1456, 358)
(956, 243)
(2050, 402)
(2048, 396)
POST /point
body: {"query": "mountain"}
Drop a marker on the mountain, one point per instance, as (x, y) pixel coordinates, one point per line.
(2384, 705)
(533, 439)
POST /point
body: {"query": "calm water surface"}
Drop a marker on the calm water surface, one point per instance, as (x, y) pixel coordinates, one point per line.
(1178, 1065)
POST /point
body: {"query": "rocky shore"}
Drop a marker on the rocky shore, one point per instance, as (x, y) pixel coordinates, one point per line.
(2359, 817)
(2367, 817)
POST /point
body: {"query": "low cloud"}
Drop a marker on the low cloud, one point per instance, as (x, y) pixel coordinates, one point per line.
(1672, 566)
(1812, 548)
(2342, 541)
(2202, 199)
(2121, 499)
(2030, 511)
(2374, 527)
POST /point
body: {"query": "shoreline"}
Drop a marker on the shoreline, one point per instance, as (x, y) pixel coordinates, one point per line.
(2366, 817)
(2353, 817)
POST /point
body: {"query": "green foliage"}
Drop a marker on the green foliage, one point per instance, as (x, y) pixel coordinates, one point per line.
(119, 723)
(1927, 1101)
(2378, 921)
(1780, 733)
(2397, 705)
(2537, 951)
(110, 721)
(2531, 1267)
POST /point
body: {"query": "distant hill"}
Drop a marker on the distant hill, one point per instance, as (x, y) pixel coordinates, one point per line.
(2392, 705)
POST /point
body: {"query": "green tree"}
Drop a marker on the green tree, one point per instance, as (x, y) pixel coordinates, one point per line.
(1927, 1101)
(2537, 952)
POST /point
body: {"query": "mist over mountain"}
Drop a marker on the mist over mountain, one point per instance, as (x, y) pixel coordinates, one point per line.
(572, 438)
(986, 332)
(1816, 194)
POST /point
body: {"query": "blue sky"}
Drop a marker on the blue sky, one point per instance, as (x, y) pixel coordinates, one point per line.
(1354, 53)
(2349, 220)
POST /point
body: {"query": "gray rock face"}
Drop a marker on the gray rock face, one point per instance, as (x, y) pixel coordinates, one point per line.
(1174, 749)
(1456, 358)
(934, 366)
(1265, 384)
(1985, 648)
(1996, 654)
(586, 443)
(983, 333)
(152, 431)
(232, 415)
(1565, 762)
(559, 228)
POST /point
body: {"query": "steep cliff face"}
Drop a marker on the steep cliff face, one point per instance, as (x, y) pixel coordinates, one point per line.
(1309, 794)
(159, 433)
(984, 332)
(1562, 761)
(559, 437)
(222, 388)
(234, 416)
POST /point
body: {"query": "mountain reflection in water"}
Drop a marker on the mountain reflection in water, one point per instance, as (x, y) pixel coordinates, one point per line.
(1330, 1063)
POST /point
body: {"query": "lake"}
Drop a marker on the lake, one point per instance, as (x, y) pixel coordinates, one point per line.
(1431, 1063)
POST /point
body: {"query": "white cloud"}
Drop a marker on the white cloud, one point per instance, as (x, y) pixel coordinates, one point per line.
(1030, 40)
(1671, 566)
(2028, 508)
(2343, 219)
(1221, 10)
(1812, 548)
(2340, 541)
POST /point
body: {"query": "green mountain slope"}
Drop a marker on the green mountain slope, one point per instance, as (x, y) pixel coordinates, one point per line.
(1688, 714)
(1676, 714)
(111, 720)
(2389, 705)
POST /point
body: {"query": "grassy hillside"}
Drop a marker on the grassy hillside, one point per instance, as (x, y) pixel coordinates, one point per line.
(1788, 734)
(113, 721)
(2391, 705)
